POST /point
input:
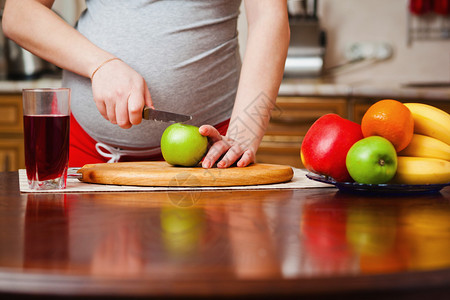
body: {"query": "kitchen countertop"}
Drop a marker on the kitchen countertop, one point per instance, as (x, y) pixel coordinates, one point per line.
(314, 243)
(16, 86)
(298, 87)
(294, 87)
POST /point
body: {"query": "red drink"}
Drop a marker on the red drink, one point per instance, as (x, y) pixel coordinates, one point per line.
(46, 146)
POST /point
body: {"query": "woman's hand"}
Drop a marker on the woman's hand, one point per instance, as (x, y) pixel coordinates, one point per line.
(120, 93)
(225, 150)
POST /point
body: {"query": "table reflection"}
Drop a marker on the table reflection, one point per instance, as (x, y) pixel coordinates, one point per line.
(323, 232)
(385, 234)
(46, 232)
(426, 230)
(258, 235)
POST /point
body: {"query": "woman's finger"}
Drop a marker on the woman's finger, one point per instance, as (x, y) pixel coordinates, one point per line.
(134, 109)
(101, 109)
(247, 158)
(111, 111)
(147, 96)
(210, 132)
(230, 157)
(122, 114)
(214, 153)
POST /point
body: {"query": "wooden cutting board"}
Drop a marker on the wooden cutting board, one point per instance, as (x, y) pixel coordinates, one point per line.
(160, 173)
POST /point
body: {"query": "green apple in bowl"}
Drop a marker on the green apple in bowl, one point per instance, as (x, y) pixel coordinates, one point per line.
(372, 160)
(183, 145)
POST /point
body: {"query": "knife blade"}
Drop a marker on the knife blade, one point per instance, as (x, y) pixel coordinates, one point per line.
(163, 116)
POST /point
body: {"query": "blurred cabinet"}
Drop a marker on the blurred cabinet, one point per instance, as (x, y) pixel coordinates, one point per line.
(12, 155)
(289, 123)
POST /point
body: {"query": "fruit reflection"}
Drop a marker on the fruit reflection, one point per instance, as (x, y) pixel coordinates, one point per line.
(427, 231)
(324, 228)
(182, 229)
(372, 232)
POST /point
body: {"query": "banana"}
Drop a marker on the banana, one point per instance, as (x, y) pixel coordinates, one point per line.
(426, 146)
(421, 170)
(431, 121)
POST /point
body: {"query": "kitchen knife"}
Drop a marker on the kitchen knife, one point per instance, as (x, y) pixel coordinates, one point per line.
(163, 116)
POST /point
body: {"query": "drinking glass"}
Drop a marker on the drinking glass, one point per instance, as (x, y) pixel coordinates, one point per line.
(46, 124)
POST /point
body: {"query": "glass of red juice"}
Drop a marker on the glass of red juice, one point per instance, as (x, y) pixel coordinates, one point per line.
(46, 135)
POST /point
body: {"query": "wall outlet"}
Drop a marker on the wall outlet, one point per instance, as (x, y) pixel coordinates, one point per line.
(368, 50)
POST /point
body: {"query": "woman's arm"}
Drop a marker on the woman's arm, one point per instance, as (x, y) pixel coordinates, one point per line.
(119, 91)
(261, 75)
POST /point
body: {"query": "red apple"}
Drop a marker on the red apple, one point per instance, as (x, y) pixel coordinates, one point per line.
(325, 146)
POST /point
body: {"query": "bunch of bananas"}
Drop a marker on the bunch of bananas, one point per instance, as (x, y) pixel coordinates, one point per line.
(426, 160)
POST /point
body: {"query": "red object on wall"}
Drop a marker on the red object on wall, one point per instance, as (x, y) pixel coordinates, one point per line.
(441, 7)
(420, 7)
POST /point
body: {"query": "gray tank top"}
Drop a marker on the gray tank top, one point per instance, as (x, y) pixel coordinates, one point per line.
(187, 51)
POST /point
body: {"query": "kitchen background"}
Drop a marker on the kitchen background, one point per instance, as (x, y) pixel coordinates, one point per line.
(375, 49)
(380, 23)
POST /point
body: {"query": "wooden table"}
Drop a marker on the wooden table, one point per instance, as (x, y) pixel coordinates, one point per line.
(315, 243)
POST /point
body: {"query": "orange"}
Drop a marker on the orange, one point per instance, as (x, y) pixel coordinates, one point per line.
(390, 119)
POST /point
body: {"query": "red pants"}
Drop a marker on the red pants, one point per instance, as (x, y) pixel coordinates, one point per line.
(82, 147)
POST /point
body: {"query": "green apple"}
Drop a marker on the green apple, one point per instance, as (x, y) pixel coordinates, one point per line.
(372, 160)
(183, 145)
